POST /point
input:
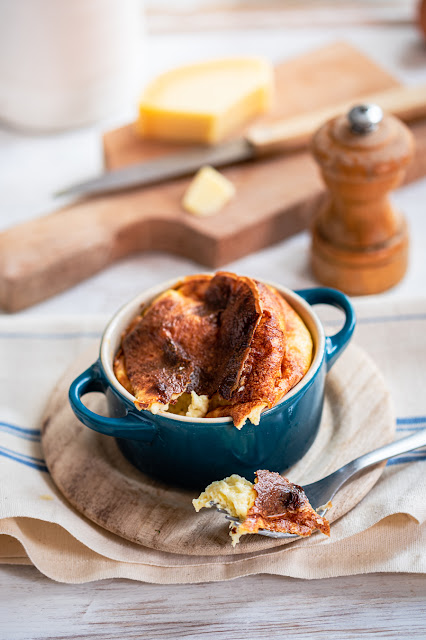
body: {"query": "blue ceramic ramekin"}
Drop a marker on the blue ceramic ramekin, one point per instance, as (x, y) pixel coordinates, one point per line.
(193, 452)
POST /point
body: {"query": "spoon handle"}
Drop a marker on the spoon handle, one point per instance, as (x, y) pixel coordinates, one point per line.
(328, 486)
(391, 450)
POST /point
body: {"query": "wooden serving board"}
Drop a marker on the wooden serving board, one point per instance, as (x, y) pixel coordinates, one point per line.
(92, 473)
(275, 196)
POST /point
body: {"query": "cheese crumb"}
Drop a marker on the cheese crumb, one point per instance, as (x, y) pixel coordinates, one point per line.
(208, 192)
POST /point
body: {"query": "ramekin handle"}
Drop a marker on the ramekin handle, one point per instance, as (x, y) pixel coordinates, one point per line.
(336, 344)
(128, 426)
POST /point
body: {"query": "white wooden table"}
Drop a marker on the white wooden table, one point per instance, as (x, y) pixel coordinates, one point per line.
(372, 606)
(368, 606)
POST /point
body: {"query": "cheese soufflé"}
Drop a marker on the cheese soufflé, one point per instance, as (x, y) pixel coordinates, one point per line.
(213, 346)
(272, 503)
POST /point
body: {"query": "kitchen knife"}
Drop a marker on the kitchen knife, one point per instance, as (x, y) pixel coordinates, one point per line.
(284, 136)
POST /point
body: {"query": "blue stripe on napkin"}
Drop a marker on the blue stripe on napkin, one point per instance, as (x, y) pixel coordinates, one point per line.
(407, 457)
(22, 455)
(412, 423)
(409, 317)
(33, 435)
(71, 335)
(412, 420)
(35, 463)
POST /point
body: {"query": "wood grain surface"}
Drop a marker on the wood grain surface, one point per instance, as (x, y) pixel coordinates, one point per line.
(93, 475)
(275, 196)
(359, 240)
(350, 608)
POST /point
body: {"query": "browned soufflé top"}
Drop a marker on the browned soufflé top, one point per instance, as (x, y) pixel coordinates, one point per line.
(227, 337)
(282, 506)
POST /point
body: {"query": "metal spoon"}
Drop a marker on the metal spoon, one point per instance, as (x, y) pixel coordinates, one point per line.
(323, 491)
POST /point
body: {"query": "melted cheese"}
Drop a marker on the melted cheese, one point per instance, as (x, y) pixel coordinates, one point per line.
(235, 494)
(191, 405)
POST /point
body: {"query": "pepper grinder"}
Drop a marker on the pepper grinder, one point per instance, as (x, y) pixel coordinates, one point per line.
(359, 240)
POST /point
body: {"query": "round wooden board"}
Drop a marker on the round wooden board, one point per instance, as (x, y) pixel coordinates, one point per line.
(94, 476)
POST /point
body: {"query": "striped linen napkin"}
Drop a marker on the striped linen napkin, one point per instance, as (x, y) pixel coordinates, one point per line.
(38, 526)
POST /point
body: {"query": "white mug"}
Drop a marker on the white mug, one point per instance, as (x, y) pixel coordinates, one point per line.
(66, 63)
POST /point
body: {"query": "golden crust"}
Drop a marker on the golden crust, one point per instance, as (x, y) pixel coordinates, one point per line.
(280, 355)
(281, 506)
(231, 338)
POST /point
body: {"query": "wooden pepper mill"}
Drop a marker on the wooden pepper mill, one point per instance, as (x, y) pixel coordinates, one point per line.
(359, 241)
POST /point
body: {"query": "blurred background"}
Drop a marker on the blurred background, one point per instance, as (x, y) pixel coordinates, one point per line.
(70, 71)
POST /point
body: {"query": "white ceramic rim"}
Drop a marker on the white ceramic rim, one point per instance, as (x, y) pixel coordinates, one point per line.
(112, 335)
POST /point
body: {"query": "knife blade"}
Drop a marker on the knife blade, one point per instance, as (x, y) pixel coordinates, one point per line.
(289, 135)
(165, 168)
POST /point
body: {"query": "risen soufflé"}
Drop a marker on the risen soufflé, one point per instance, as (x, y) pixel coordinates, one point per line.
(214, 346)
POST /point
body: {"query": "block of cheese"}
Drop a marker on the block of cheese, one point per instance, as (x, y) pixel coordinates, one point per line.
(206, 102)
(208, 192)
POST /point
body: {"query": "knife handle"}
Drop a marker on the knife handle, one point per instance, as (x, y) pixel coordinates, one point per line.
(293, 134)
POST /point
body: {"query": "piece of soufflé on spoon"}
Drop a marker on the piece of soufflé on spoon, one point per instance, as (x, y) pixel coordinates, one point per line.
(272, 503)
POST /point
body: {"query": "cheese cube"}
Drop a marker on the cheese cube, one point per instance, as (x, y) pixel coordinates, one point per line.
(208, 192)
(205, 102)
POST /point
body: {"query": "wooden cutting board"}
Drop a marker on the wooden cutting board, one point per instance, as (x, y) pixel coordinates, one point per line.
(275, 196)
